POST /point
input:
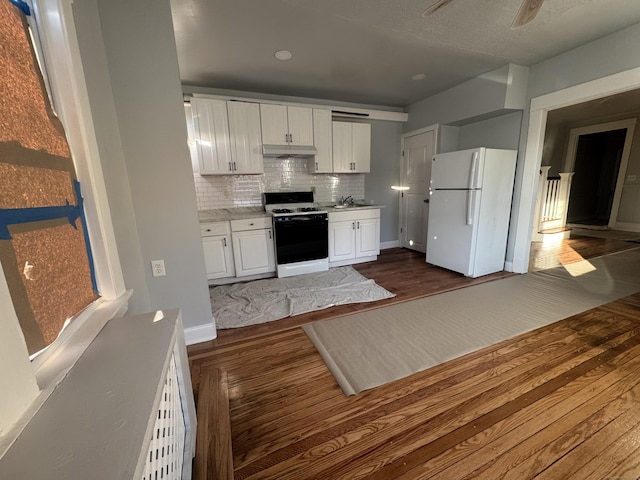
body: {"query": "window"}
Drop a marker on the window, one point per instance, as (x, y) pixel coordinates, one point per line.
(55, 24)
(44, 250)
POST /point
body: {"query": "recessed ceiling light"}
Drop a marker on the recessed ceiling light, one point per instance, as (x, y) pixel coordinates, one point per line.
(283, 55)
(419, 76)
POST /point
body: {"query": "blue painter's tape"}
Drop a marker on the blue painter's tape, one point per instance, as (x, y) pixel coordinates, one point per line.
(14, 216)
(76, 188)
(23, 6)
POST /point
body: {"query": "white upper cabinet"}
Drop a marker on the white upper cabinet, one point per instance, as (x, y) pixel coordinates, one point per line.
(227, 136)
(322, 162)
(211, 135)
(246, 137)
(351, 147)
(283, 125)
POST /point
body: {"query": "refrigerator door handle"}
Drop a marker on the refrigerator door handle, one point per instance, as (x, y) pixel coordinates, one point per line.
(472, 170)
(470, 194)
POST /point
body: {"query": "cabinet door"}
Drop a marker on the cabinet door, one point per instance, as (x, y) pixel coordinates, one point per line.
(322, 138)
(342, 147)
(253, 252)
(367, 237)
(211, 129)
(342, 237)
(273, 119)
(218, 257)
(361, 147)
(246, 137)
(300, 125)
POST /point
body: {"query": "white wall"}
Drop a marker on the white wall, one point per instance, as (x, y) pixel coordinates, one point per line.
(114, 167)
(608, 55)
(499, 132)
(161, 215)
(491, 94)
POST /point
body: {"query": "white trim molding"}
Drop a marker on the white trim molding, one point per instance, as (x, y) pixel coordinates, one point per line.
(200, 333)
(569, 165)
(602, 87)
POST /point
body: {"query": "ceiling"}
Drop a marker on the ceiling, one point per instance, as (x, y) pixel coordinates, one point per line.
(366, 51)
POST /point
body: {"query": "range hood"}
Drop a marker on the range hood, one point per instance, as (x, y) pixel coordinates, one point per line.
(289, 150)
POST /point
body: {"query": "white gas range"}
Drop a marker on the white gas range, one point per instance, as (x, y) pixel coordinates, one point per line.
(301, 233)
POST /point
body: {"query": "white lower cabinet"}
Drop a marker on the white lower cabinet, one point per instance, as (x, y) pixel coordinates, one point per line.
(253, 248)
(354, 236)
(218, 253)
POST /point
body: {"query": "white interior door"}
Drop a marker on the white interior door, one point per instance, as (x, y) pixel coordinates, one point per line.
(418, 150)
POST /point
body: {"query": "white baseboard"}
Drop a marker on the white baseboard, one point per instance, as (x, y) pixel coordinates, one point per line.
(393, 244)
(201, 333)
(508, 266)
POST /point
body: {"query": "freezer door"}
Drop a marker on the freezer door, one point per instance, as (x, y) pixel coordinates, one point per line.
(453, 220)
(463, 169)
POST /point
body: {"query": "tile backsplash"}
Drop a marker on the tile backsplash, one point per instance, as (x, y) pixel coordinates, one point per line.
(229, 191)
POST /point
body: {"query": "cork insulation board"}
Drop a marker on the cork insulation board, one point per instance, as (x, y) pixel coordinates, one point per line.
(29, 187)
(25, 114)
(46, 262)
(51, 260)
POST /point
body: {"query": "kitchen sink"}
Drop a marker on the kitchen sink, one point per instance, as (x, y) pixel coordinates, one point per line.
(353, 205)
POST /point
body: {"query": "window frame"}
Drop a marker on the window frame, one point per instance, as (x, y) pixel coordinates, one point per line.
(53, 27)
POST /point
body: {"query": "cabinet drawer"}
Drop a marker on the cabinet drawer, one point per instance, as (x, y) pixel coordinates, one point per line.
(354, 214)
(251, 224)
(217, 228)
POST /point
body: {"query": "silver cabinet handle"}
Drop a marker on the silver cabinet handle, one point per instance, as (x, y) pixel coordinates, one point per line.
(234, 166)
(270, 234)
(316, 165)
(224, 242)
(230, 167)
(353, 225)
(358, 225)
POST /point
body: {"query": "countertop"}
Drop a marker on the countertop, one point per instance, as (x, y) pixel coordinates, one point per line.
(239, 213)
(226, 214)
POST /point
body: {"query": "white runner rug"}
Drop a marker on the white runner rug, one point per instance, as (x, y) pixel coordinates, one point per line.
(372, 348)
(260, 301)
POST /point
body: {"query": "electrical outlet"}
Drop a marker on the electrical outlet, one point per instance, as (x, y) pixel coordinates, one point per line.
(157, 268)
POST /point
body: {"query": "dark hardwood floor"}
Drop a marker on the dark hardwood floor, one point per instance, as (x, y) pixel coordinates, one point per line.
(558, 402)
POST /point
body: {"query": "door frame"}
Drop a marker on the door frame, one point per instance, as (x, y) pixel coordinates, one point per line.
(629, 125)
(527, 176)
(435, 128)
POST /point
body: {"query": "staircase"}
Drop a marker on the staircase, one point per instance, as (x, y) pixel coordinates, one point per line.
(552, 202)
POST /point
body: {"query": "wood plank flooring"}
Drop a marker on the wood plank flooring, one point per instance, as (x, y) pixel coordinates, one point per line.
(558, 402)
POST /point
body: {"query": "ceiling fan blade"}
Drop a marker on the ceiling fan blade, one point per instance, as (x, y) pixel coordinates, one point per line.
(528, 11)
(435, 7)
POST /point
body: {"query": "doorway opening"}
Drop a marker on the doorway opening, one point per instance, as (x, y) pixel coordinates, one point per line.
(598, 155)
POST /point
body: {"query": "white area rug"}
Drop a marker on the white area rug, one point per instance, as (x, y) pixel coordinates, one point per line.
(372, 348)
(260, 301)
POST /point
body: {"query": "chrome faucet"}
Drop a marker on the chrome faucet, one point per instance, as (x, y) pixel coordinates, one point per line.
(345, 201)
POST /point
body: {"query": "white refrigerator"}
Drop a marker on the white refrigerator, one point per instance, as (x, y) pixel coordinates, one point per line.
(469, 210)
